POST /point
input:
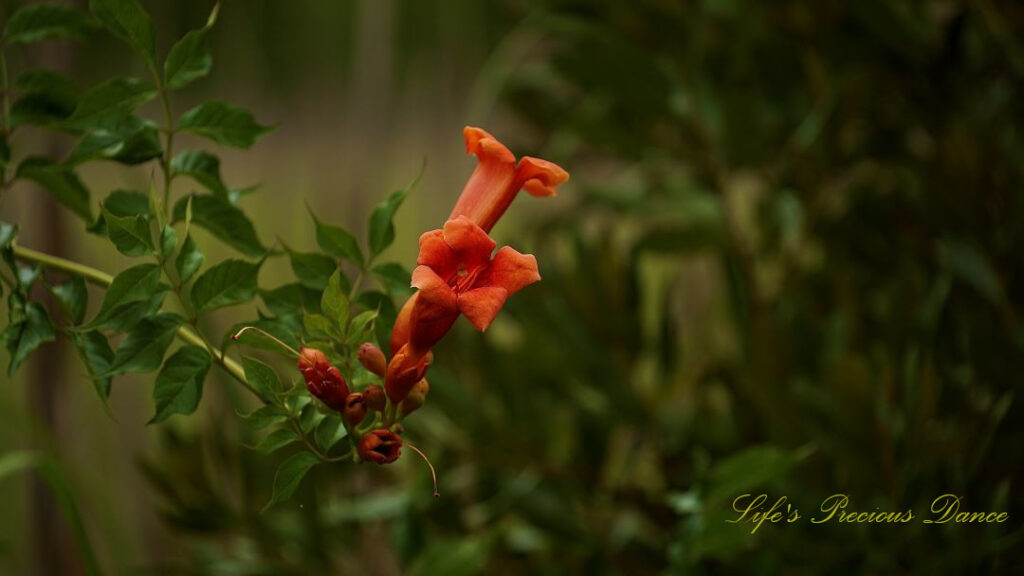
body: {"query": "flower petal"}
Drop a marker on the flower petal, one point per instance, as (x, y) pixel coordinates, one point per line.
(540, 177)
(435, 310)
(488, 191)
(481, 305)
(470, 244)
(435, 253)
(510, 270)
(400, 331)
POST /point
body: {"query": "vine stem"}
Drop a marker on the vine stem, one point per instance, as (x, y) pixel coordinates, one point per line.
(100, 278)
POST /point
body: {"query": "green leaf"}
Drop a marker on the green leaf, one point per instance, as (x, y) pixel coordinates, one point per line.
(43, 21)
(262, 378)
(225, 221)
(7, 233)
(334, 302)
(329, 432)
(188, 59)
(109, 103)
(129, 141)
(61, 182)
(130, 234)
(25, 337)
(223, 123)
(382, 227)
(127, 20)
(265, 416)
(189, 260)
(337, 242)
(313, 270)
(362, 326)
(319, 327)
(73, 298)
(132, 292)
(120, 203)
(144, 347)
(202, 167)
(291, 300)
(226, 284)
(277, 439)
(46, 97)
(179, 386)
(97, 355)
(395, 279)
(168, 241)
(290, 474)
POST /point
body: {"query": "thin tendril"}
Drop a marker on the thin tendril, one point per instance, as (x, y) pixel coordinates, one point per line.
(433, 474)
(267, 335)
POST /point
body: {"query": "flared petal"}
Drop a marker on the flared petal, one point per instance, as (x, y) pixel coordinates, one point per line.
(510, 270)
(434, 312)
(488, 192)
(481, 305)
(437, 254)
(540, 177)
(469, 243)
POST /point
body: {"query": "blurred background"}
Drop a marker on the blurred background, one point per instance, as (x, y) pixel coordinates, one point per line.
(788, 261)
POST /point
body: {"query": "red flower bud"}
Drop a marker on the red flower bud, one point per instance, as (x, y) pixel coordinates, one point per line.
(417, 396)
(375, 398)
(381, 446)
(323, 380)
(355, 409)
(404, 371)
(372, 358)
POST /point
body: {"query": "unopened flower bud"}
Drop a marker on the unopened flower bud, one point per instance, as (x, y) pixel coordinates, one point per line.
(404, 371)
(372, 358)
(375, 398)
(323, 380)
(381, 446)
(355, 409)
(417, 396)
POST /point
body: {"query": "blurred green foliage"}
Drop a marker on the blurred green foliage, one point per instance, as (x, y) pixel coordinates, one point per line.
(792, 267)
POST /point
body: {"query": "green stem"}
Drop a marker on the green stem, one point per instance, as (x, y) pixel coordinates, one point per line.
(99, 278)
(165, 160)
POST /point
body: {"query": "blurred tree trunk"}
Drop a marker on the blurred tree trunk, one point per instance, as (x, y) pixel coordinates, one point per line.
(53, 550)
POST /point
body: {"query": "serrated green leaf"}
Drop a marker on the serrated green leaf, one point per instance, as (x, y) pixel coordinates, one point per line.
(290, 474)
(127, 20)
(188, 59)
(130, 234)
(334, 302)
(109, 103)
(121, 203)
(226, 284)
(61, 182)
(382, 227)
(134, 285)
(395, 279)
(265, 416)
(46, 97)
(73, 298)
(179, 386)
(42, 21)
(337, 242)
(262, 378)
(225, 221)
(202, 167)
(291, 300)
(97, 355)
(319, 327)
(313, 270)
(362, 326)
(129, 141)
(189, 260)
(277, 439)
(223, 123)
(309, 418)
(144, 347)
(25, 337)
(168, 241)
(329, 432)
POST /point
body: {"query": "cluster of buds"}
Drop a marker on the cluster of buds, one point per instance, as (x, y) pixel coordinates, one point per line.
(457, 273)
